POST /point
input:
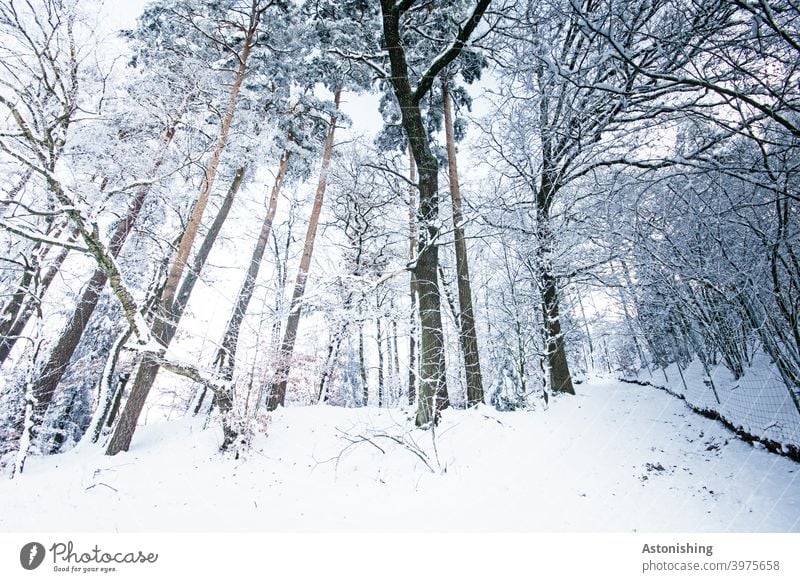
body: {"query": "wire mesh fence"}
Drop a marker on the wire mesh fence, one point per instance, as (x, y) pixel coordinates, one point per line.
(758, 406)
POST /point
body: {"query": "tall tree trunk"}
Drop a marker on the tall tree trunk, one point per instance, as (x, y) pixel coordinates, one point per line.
(334, 345)
(379, 340)
(412, 256)
(330, 360)
(560, 377)
(165, 324)
(190, 232)
(61, 354)
(433, 379)
(590, 363)
(362, 368)
(226, 356)
(466, 317)
(432, 382)
(395, 348)
(555, 346)
(164, 330)
(109, 397)
(277, 393)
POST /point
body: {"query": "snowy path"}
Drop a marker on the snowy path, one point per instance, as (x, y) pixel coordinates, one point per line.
(617, 457)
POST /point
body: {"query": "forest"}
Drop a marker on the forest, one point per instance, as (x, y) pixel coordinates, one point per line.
(563, 199)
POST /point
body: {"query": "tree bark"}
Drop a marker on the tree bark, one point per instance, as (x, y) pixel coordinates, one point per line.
(379, 341)
(334, 345)
(395, 348)
(466, 317)
(330, 360)
(362, 368)
(560, 377)
(555, 346)
(412, 256)
(277, 392)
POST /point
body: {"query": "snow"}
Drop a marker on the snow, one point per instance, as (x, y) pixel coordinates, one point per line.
(758, 403)
(616, 457)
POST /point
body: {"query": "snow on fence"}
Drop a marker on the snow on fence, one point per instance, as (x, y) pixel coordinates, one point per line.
(757, 406)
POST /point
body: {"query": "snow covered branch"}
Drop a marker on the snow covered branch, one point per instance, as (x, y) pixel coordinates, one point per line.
(449, 54)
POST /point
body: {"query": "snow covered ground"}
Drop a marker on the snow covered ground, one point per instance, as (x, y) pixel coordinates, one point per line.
(757, 403)
(617, 457)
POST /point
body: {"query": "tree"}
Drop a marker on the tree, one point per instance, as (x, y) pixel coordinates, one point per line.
(61, 354)
(42, 65)
(277, 391)
(398, 19)
(466, 316)
(364, 200)
(566, 114)
(413, 357)
(236, 28)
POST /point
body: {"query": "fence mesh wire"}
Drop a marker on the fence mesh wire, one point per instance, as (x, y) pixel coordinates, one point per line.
(759, 405)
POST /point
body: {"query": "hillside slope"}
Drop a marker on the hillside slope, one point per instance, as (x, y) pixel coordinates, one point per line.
(617, 457)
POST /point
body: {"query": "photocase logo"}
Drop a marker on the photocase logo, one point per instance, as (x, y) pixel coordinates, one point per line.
(31, 555)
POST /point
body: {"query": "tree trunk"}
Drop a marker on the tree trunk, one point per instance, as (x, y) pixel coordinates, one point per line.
(466, 317)
(433, 381)
(334, 345)
(590, 364)
(164, 329)
(362, 368)
(277, 392)
(108, 397)
(18, 312)
(190, 232)
(560, 377)
(379, 340)
(412, 256)
(226, 356)
(395, 348)
(11, 310)
(330, 361)
(555, 346)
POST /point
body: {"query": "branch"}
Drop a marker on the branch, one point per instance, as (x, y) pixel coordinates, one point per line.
(402, 6)
(42, 238)
(390, 275)
(28, 209)
(362, 58)
(450, 54)
(391, 171)
(697, 83)
(187, 370)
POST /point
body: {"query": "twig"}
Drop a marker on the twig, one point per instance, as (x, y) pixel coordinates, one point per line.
(103, 484)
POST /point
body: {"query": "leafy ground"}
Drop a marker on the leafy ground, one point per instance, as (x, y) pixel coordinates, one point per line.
(617, 457)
